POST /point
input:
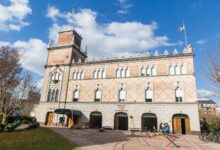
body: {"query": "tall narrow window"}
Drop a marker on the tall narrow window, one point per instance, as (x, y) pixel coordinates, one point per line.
(171, 70)
(56, 95)
(179, 94)
(148, 95)
(49, 95)
(122, 72)
(98, 95)
(53, 95)
(183, 69)
(103, 74)
(153, 71)
(127, 73)
(122, 95)
(148, 70)
(95, 74)
(177, 70)
(76, 95)
(100, 74)
(118, 73)
(143, 71)
(82, 75)
(78, 75)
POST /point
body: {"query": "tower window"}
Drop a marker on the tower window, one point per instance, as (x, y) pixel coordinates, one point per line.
(179, 94)
(148, 95)
(76, 95)
(122, 95)
(98, 95)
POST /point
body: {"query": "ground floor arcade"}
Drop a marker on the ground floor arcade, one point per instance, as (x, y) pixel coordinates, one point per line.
(182, 118)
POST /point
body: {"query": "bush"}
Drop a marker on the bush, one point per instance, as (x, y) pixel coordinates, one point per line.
(25, 122)
(12, 126)
(34, 125)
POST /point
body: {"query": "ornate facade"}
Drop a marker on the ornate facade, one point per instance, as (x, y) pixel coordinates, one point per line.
(135, 92)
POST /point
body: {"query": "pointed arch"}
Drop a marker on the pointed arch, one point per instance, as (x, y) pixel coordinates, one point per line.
(98, 95)
(122, 72)
(177, 70)
(171, 70)
(182, 69)
(153, 71)
(127, 72)
(143, 71)
(118, 73)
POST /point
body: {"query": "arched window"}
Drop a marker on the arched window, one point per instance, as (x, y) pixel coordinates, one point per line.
(98, 95)
(78, 75)
(103, 74)
(183, 69)
(153, 71)
(148, 95)
(53, 95)
(148, 70)
(95, 74)
(82, 75)
(118, 73)
(56, 95)
(49, 95)
(53, 77)
(122, 95)
(76, 95)
(127, 73)
(177, 70)
(143, 71)
(171, 70)
(100, 74)
(122, 72)
(179, 94)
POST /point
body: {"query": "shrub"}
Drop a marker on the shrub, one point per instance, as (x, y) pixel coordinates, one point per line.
(25, 122)
(34, 125)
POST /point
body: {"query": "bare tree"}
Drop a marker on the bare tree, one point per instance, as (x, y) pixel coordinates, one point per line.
(212, 68)
(15, 83)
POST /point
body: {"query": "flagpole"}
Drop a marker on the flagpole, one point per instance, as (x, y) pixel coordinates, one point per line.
(185, 34)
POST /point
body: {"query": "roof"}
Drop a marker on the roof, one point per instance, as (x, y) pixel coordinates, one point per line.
(206, 102)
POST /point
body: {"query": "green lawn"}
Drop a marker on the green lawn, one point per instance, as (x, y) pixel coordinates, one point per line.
(35, 139)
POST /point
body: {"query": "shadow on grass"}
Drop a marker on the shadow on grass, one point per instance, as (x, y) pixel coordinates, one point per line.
(35, 139)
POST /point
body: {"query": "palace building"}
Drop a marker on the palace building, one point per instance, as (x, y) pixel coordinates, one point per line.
(134, 92)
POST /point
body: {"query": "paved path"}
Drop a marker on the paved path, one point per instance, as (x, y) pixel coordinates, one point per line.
(91, 139)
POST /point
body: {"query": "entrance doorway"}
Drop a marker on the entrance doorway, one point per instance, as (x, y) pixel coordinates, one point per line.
(49, 118)
(95, 120)
(121, 121)
(149, 122)
(181, 124)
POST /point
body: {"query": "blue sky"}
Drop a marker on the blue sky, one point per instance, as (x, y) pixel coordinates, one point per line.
(29, 24)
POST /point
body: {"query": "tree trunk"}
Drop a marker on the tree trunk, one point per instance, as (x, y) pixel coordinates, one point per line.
(3, 118)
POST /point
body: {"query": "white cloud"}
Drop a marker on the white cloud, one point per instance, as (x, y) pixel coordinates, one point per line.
(13, 15)
(110, 39)
(124, 7)
(4, 44)
(201, 42)
(205, 94)
(53, 13)
(34, 54)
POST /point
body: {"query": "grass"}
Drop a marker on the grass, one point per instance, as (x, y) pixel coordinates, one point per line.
(35, 139)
